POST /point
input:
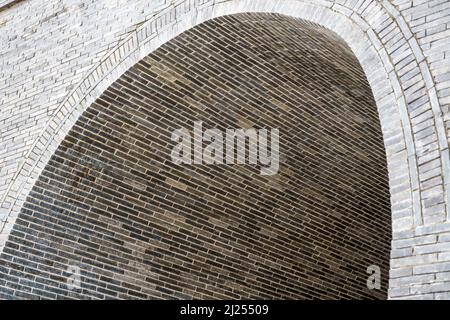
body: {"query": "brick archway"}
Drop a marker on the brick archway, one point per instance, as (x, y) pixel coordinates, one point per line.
(112, 202)
(414, 209)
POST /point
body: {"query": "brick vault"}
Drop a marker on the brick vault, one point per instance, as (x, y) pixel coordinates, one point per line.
(359, 90)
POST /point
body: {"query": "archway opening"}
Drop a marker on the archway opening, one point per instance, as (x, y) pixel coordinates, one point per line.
(112, 203)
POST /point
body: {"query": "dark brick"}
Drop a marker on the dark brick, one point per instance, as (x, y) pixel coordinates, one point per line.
(103, 202)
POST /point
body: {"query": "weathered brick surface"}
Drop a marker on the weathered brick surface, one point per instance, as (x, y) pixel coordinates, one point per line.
(57, 57)
(111, 201)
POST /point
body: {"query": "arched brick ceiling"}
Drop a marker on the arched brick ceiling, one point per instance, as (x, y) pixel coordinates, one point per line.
(111, 202)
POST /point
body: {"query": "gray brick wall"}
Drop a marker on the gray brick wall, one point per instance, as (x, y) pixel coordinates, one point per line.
(111, 201)
(59, 56)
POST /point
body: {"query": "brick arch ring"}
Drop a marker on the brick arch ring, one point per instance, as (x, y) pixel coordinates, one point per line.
(359, 27)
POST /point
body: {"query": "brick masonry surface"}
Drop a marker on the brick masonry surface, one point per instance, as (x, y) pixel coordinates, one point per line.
(58, 56)
(111, 201)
